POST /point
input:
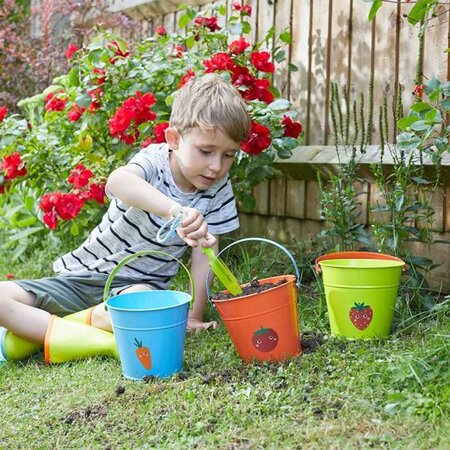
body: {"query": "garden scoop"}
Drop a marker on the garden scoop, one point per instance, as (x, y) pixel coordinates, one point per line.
(222, 272)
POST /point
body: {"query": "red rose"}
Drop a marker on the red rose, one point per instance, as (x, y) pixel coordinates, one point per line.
(261, 61)
(10, 276)
(208, 22)
(258, 139)
(246, 10)
(13, 166)
(160, 30)
(147, 142)
(185, 78)
(237, 47)
(95, 94)
(259, 91)
(51, 219)
(3, 112)
(75, 112)
(291, 128)
(69, 206)
(97, 192)
(71, 49)
(115, 47)
(99, 75)
(55, 102)
(80, 176)
(220, 61)
(178, 51)
(160, 132)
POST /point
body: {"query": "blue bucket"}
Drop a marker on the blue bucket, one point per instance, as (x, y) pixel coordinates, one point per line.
(149, 327)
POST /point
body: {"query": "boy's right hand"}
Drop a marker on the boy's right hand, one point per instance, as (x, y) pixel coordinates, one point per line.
(193, 228)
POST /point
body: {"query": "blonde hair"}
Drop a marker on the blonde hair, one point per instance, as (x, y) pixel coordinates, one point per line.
(210, 102)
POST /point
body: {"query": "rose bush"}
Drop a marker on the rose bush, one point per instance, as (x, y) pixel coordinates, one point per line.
(116, 100)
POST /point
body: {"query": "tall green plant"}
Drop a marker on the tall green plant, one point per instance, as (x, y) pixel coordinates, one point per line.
(340, 207)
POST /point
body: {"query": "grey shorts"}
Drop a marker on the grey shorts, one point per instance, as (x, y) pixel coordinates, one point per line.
(66, 294)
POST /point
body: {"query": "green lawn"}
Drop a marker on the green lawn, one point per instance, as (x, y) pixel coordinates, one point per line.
(339, 394)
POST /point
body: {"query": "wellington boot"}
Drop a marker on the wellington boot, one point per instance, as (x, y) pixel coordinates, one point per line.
(14, 348)
(69, 341)
(84, 316)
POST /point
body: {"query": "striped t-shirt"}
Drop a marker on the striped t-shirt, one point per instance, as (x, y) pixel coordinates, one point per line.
(125, 230)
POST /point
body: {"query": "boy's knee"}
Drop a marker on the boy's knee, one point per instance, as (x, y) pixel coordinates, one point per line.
(136, 288)
(10, 291)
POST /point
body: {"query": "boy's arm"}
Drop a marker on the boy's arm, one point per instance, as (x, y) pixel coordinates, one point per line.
(199, 271)
(127, 184)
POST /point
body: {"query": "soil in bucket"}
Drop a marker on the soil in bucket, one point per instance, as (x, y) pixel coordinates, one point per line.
(263, 321)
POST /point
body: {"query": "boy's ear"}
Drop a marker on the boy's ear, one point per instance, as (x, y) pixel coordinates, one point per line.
(172, 138)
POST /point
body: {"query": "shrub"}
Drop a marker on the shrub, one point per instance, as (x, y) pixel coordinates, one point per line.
(115, 100)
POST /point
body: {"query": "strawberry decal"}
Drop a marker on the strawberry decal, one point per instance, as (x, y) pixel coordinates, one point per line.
(265, 339)
(361, 315)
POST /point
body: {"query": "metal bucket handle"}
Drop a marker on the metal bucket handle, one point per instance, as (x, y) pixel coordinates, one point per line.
(268, 241)
(136, 255)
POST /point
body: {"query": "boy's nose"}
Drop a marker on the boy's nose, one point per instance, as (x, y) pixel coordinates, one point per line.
(215, 165)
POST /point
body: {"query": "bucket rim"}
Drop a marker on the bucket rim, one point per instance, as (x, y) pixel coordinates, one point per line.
(117, 308)
(291, 279)
(355, 255)
(333, 263)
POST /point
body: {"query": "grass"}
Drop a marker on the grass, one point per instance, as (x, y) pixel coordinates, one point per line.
(339, 394)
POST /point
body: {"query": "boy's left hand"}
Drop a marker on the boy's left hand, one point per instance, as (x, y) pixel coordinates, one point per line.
(196, 325)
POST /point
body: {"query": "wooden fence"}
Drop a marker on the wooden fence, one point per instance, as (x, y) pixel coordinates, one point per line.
(333, 42)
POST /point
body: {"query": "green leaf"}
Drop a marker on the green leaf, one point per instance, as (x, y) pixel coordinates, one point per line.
(420, 125)
(74, 79)
(84, 101)
(279, 56)
(446, 104)
(25, 233)
(406, 122)
(376, 5)
(286, 37)
(279, 105)
(26, 222)
(246, 27)
(74, 231)
(184, 20)
(29, 202)
(419, 10)
(421, 107)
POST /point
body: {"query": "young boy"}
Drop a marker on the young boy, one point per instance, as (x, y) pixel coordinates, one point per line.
(208, 123)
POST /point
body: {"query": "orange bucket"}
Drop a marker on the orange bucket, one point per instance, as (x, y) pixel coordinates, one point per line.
(264, 326)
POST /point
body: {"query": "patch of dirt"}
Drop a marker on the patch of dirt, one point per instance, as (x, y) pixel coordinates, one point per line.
(255, 287)
(311, 341)
(89, 414)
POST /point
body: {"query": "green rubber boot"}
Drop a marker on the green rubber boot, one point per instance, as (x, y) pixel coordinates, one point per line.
(15, 348)
(70, 341)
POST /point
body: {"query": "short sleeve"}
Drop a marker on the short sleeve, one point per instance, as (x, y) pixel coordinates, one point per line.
(146, 161)
(223, 216)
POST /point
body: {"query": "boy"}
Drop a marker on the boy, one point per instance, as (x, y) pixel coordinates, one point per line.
(209, 121)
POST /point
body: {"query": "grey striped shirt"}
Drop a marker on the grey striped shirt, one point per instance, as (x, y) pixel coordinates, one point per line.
(125, 230)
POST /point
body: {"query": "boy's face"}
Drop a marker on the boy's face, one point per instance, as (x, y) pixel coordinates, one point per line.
(200, 158)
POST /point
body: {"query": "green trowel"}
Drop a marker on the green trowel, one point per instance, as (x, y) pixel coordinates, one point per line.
(222, 272)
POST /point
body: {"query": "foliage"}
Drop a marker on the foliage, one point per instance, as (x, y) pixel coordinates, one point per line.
(116, 99)
(38, 56)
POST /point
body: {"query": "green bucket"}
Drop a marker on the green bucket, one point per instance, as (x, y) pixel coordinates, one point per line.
(361, 295)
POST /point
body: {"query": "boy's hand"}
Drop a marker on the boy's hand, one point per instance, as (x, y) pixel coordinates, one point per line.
(193, 228)
(196, 325)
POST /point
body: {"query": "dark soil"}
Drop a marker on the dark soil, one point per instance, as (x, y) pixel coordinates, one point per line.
(255, 287)
(311, 341)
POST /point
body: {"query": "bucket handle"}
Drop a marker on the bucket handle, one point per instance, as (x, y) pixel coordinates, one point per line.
(137, 255)
(268, 241)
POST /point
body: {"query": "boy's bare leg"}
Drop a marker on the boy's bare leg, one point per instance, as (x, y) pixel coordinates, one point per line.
(100, 316)
(19, 316)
